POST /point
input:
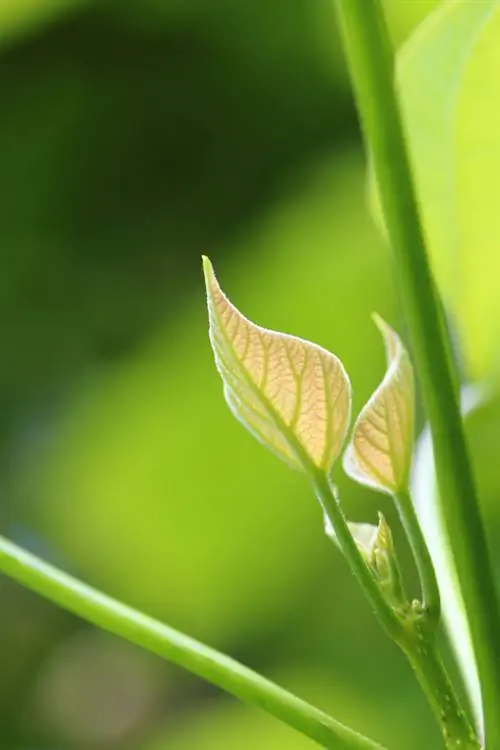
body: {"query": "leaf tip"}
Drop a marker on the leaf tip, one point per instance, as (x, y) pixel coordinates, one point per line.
(379, 322)
(208, 270)
(379, 453)
(294, 396)
(391, 339)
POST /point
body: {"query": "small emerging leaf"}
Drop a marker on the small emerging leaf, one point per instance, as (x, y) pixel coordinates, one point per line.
(377, 548)
(379, 454)
(364, 534)
(294, 396)
(368, 537)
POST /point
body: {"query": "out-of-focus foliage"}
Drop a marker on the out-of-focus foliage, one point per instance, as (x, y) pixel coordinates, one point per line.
(402, 17)
(448, 76)
(220, 500)
(136, 136)
(231, 725)
(19, 17)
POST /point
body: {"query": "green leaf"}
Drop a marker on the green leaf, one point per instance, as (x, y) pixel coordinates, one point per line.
(293, 395)
(477, 135)
(403, 17)
(448, 84)
(379, 454)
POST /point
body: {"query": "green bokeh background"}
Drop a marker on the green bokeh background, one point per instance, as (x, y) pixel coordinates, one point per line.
(136, 135)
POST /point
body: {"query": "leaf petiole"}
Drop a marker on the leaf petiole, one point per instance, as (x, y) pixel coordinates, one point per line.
(329, 503)
(425, 567)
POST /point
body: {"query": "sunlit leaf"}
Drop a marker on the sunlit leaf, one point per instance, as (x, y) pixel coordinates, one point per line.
(291, 394)
(379, 454)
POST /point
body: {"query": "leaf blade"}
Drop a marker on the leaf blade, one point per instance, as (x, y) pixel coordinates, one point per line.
(379, 453)
(293, 395)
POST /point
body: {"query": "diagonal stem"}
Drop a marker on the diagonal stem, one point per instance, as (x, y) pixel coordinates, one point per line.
(219, 669)
(371, 64)
(383, 610)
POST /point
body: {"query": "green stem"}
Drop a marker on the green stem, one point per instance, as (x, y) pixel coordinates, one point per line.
(406, 627)
(371, 63)
(221, 670)
(386, 615)
(425, 567)
(457, 730)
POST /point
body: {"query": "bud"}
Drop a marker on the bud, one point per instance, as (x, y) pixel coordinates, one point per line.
(377, 548)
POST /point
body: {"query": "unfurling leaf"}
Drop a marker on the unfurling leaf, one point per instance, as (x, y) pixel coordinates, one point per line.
(364, 534)
(368, 537)
(385, 566)
(294, 396)
(379, 454)
(377, 548)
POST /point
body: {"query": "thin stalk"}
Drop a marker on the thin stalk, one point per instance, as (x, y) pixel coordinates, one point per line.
(371, 64)
(115, 617)
(409, 630)
(386, 615)
(425, 567)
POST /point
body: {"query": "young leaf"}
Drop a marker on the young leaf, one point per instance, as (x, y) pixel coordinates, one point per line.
(294, 396)
(379, 454)
(377, 548)
(364, 534)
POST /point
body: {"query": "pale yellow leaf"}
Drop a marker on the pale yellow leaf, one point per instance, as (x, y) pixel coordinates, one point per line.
(368, 537)
(364, 534)
(380, 450)
(294, 396)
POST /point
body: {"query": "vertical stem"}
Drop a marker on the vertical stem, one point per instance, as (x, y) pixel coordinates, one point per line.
(407, 629)
(371, 63)
(457, 730)
(427, 575)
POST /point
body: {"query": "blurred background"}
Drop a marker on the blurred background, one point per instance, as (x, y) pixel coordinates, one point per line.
(136, 135)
